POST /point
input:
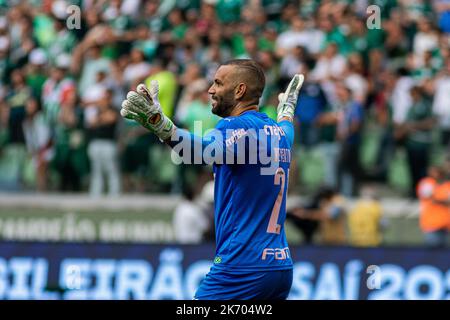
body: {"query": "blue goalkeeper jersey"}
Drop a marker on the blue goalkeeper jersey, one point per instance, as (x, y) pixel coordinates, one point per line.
(250, 196)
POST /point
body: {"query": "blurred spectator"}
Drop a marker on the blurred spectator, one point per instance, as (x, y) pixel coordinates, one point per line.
(359, 38)
(447, 166)
(64, 40)
(441, 103)
(230, 10)
(328, 144)
(134, 147)
(296, 35)
(88, 60)
(35, 71)
(426, 39)
(354, 76)
(22, 42)
(365, 220)
(190, 50)
(189, 221)
(330, 65)
(428, 69)
(434, 192)
(215, 53)
(59, 89)
(206, 203)
(38, 141)
(167, 85)
(396, 44)
(69, 140)
(187, 80)
(400, 99)
(417, 132)
(250, 47)
(277, 8)
(15, 101)
(307, 218)
(207, 18)
(14, 114)
(383, 115)
(327, 18)
(267, 61)
(5, 65)
(109, 82)
(333, 223)
(102, 149)
(311, 105)
(292, 63)
(176, 26)
(326, 214)
(349, 128)
(137, 70)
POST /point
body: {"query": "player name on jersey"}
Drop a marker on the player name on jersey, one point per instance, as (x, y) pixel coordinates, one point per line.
(282, 155)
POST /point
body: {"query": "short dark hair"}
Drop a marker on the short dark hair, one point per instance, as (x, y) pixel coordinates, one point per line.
(253, 75)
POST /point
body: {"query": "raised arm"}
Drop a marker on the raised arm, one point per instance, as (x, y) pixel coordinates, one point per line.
(287, 104)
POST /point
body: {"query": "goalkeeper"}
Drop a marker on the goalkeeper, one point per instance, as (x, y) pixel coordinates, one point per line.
(252, 258)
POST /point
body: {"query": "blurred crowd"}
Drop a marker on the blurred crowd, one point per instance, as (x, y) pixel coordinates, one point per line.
(64, 72)
(327, 218)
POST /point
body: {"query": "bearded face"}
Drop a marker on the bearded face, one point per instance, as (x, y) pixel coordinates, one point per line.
(222, 92)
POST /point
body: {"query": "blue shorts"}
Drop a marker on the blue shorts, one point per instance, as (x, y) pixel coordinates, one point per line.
(266, 285)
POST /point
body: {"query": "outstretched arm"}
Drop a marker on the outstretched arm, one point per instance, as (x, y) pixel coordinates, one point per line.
(144, 107)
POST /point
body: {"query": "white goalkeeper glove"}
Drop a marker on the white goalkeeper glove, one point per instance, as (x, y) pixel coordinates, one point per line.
(143, 107)
(288, 99)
